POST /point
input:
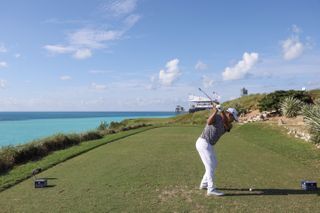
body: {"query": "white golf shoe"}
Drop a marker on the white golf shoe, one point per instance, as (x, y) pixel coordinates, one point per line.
(214, 192)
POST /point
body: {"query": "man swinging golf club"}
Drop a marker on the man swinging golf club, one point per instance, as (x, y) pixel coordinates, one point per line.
(217, 124)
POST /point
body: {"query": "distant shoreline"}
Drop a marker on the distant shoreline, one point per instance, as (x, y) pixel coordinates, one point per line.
(30, 115)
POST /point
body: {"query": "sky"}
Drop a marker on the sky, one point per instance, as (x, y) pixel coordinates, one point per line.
(150, 55)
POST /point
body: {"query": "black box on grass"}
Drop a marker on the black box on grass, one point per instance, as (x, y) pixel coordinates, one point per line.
(309, 185)
(40, 183)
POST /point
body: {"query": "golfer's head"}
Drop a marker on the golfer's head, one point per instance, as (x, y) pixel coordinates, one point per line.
(232, 114)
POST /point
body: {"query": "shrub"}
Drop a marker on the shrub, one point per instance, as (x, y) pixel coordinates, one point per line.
(103, 125)
(311, 115)
(7, 155)
(60, 141)
(28, 152)
(122, 127)
(291, 107)
(91, 135)
(116, 125)
(273, 100)
(53, 143)
(107, 131)
(74, 139)
(4, 165)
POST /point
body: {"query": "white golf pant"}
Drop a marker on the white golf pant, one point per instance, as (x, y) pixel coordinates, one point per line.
(208, 157)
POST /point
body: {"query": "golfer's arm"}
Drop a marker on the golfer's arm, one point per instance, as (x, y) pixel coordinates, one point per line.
(210, 120)
(226, 125)
(223, 114)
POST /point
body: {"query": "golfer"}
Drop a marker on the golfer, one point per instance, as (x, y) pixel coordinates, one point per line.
(218, 123)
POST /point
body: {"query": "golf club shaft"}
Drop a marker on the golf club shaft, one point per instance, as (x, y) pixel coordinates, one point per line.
(216, 102)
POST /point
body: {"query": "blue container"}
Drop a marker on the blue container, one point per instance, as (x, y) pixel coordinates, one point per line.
(40, 183)
(309, 185)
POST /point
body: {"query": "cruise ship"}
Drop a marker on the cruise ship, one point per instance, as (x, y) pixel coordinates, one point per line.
(198, 103)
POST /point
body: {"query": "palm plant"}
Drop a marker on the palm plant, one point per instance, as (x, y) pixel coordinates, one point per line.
(291, 107)
(311, 115)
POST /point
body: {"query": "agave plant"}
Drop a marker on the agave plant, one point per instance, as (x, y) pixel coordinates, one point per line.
(311, 115)
(291, 107)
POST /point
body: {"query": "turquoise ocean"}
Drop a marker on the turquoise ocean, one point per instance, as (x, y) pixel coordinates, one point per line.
(22, 127)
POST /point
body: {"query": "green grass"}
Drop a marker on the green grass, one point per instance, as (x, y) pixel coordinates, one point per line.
(315, 94)
(159, 170)
(24, 171)
(249, 102)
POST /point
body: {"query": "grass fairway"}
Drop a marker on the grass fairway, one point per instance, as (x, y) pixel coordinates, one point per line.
(159, 171)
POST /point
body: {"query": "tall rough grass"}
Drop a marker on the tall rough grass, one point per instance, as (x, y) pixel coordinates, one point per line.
(103, 125)
(11, 156)
(7, 158)
(311, 115)
(291, 107)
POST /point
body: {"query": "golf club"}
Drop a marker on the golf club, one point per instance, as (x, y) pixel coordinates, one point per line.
(213, 101)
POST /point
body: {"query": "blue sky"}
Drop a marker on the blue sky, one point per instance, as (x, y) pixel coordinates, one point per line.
(136, 55)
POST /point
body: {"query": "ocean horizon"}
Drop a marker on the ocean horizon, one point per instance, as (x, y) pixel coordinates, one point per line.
(23, 127)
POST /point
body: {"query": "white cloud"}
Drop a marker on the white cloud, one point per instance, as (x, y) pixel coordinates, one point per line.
(100, 71)
(120, 7)
(65, 78)
(98, 87)
(3, 64)
(65, 21)
(93, 38)
(3, 83)
(168, 76)
(3, 49)
(83, 41)
(154, 83)
(59, 49)
(296, 29)
(82, 54)
(240, 70)
(207, 81)
(77, 52)
(292, 48)
(80, 43)
(131, 20)
(17, 55)
(201, 66)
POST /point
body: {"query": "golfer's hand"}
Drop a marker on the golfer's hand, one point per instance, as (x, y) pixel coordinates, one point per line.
(219, 107)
